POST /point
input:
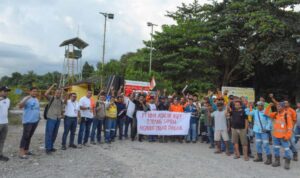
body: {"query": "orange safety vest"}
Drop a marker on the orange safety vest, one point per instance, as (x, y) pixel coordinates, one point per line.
(290, 111)
(282, 125)
(176, 108)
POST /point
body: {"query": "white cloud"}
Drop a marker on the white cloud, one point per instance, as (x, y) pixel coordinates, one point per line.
(40, 26)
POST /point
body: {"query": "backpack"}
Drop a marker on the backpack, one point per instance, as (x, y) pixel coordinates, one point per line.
(47, 108)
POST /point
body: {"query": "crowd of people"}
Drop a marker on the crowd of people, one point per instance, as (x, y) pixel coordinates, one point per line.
(228, 123)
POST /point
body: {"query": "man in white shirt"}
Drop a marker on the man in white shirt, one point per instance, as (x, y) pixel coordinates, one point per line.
(70, 120)
(86, 105)
(4, 106)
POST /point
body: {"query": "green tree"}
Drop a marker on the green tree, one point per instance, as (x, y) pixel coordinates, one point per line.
(87, 70)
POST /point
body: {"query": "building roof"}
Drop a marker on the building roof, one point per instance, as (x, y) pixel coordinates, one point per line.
(77, 42)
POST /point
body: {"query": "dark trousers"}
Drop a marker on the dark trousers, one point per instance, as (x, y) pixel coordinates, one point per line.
(128, 122)
(134, 130)
(70, 124)
(119, 126)
(28, 131)
(97, 125)
(85, 127)
(3, 134)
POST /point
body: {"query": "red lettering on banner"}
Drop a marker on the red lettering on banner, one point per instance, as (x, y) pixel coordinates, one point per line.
(177, 127)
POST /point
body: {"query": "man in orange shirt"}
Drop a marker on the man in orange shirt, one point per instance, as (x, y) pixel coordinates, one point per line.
(176, 107)
(282, 133)
(290, 111)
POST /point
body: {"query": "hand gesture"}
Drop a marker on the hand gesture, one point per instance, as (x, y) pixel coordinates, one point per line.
(271, 95)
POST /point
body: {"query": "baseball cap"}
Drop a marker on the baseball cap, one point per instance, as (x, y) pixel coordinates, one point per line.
(4, 88)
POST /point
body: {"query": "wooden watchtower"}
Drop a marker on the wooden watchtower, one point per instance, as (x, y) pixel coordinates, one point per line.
(72, 61)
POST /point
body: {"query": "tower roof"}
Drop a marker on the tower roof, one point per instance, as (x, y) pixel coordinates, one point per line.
(77, 42)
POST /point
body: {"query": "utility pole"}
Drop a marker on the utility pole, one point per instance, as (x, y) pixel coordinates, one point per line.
(106, 16)
(149, 24)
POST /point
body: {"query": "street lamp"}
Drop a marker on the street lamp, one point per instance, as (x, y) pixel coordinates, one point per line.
(150, 24)
(106, 16)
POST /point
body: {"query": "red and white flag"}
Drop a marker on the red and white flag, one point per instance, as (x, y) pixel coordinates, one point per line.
(152, 83)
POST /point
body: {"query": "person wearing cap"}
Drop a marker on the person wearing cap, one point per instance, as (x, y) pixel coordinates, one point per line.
(121, 108)
(4, 106)
(152, 105)
(194, 110)
(70, 120)
(282, 133)
(31, 117)
(290, 111)
(110, 120)
(262, 125)
(162, 106)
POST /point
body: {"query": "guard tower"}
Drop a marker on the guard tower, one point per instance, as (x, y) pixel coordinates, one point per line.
(72, 63)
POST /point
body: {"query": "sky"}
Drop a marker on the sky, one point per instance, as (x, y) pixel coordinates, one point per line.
(31, 30)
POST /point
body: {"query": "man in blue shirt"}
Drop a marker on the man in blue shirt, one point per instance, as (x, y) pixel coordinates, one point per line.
(191, 108)
(31, 117)
(262, 125)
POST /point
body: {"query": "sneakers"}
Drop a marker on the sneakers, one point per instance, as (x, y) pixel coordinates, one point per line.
(63, 147)
(73, 146)
(79, 146)
(4, 158)
(93, 143)
(86, 144)
(48, 152)
(53, 150)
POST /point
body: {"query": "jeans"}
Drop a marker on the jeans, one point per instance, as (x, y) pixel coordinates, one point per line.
(120, 125)
(28, 131)
(262, 140)
(285, 144)
(52, 126)
(70, 124)
(192, 134)
(97, 125)
(3, 134)
(110, 126)
(85, 127)
(128, 122)
(293, 143)
(210, 135)
(297, 134)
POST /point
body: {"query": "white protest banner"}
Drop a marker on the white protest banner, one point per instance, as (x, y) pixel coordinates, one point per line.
(163, 123)
(130, 109)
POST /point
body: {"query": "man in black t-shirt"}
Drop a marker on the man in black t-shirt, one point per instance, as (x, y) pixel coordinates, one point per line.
(140, 105)
(239, 126)
(163, 106)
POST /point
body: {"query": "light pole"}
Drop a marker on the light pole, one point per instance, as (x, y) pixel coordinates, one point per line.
(150, 24)
(109, 16)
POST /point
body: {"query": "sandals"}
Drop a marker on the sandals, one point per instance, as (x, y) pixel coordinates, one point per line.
(236, 157)
(218, 152)
(23, 156)
(30, 153)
